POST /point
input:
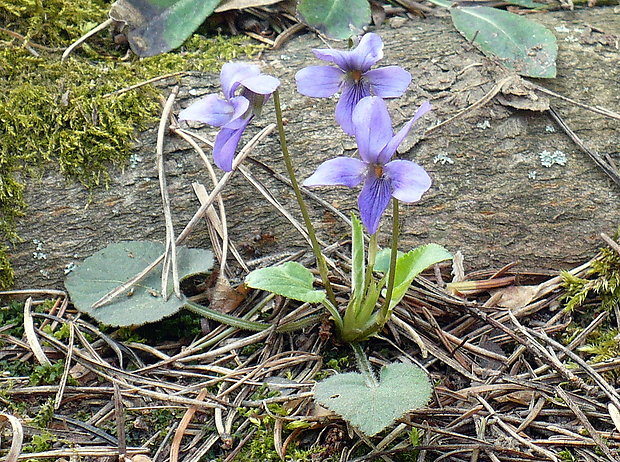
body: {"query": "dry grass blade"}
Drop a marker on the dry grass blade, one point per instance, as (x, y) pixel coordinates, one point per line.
(170, 254)
(194, 220)
(180, 431)
(31, 336)
(17, 436)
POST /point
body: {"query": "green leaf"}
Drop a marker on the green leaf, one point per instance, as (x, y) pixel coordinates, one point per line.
(291, 280)
(118, 262)
(409, 265)
(401, 388)
(358, 259)
(338, 19)
(529, 48)
(158, 26)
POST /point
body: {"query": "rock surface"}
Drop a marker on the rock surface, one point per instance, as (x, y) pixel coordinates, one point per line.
(492, 198)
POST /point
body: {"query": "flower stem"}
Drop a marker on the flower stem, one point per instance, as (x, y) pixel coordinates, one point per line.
(385, 309)
(364, 365)
(322, 265)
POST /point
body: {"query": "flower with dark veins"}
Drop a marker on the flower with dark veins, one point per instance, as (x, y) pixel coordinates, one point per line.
(383, 178)
(352, 77)
(245, 91)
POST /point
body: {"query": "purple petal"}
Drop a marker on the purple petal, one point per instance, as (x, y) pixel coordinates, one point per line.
(409, 180)
(344, 171)
(361, 58)
(373, 200)
(319, 81)
(262, 84)
(367, 52)
(225, 145)
(213, 110)
(233, 73)
(372, 127)
(352, 93)
(390, 148)
(388, 82)
(339, 58)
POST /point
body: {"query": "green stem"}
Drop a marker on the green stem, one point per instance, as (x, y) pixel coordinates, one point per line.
(245, 324)
(372, 257)
(335, 314)
(322, 265)
(364, 365)
(385, 309)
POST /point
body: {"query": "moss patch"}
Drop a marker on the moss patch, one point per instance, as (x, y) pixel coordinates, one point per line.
(59, 114)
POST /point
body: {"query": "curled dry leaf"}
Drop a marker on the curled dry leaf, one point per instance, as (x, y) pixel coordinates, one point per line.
(18, 436)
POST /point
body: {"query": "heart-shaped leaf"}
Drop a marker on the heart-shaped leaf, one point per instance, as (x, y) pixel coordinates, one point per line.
(118, 262)
(525, 46)
(338, 19)
(157, 26)
(291, 280)
(401, 388)
(409, 265)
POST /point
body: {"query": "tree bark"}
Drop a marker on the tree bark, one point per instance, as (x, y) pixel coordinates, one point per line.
(491, 198)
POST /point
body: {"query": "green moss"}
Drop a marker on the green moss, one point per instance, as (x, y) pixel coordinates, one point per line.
(601, 284)
(60, 114)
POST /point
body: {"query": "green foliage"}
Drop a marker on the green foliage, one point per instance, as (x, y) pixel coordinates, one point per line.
(372, 408)
(603, 344)
(45, 414)
(291, 280)
(143, 303)
(156, 27)
(338, 19)
(602, 281)
(13, 314)
(54, 23)
(40, 443)
(44, 374)
(525, 46)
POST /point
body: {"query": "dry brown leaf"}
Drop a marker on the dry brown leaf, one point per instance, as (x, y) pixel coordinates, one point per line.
(223, 297)
(227, 5)
(514, 297)
(615, 415)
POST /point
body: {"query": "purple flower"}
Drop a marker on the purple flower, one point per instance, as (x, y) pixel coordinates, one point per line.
(234, 112)
(352, 77)
(402, 179)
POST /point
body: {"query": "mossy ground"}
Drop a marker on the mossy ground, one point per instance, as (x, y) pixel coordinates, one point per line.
(57, 114)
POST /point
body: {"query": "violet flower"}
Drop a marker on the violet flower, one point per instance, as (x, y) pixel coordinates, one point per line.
(235, 112)
(352, 77)
(383, 178)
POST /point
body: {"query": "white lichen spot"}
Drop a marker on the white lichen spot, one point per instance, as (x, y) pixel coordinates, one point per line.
(532, 174)
(45, 273)
(193, 92)
(563, 29)
(69, 267)
(571, 39)
(134, 160)
(443, 158)
(547, 159)
(39, 256)
(550, 129)
(38, 244)
(483, 125)
(285, 57)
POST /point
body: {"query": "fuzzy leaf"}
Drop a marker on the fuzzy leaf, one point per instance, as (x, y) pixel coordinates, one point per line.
(358, 259)
(338, 19)
(409, 265)
(118, 262)
(525, 46)
(158, 26)
(291, 280)
(402, 388)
